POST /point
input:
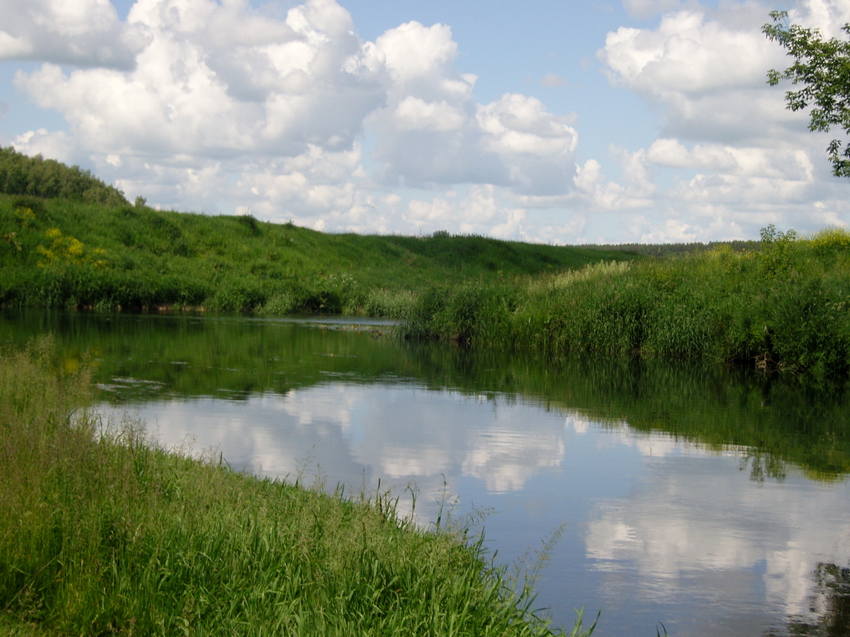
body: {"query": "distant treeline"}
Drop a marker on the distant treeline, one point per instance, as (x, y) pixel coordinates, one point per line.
(672, 249)
(49, 179)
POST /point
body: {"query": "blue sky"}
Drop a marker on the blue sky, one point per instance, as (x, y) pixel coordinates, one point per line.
(561, 122)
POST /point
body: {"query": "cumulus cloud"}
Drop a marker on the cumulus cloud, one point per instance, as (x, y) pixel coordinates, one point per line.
(431, 110)
(224, 107)
(481, 210)
(707, 74)
(734, 151)
(219, 106)
(634, 190)
(179, 101)
(79, 32)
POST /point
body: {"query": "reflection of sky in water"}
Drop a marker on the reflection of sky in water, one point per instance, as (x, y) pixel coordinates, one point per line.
(657, 530)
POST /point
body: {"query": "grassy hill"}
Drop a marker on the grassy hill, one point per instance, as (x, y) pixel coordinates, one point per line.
(62, 252)
(68, 240)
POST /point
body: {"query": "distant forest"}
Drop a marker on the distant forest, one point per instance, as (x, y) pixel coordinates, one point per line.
(673, 249)
(50, 179)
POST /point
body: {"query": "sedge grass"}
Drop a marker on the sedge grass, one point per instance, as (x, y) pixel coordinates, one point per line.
(104, 533)
(783, 306)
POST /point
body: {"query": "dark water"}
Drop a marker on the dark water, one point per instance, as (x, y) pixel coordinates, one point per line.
(713, 502)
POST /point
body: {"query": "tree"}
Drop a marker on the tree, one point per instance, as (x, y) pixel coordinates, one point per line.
(823, 67)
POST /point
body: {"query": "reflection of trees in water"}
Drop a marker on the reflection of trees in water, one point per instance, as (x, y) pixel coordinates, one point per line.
(784, 421)
(830, 602)
(763, 465)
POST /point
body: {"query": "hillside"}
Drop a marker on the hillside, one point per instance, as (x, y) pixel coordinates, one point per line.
(48, 178)
(61, 252)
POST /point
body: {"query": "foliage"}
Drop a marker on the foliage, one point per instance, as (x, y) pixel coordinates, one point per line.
(101, 532)
(823, 68)
(135, 257)
(667, 250)
(782, 306)
(48, 178)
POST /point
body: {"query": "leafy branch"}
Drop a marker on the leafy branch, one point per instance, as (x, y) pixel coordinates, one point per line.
(822, 67)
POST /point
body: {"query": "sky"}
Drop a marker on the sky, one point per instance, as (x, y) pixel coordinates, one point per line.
(554, 121)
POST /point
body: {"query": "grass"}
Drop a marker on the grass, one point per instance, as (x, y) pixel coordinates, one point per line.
(780, 303)
(67, 253)
(104, 533)
(782, 306)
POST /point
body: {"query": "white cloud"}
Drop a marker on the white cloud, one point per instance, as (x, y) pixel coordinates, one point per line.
(215, 105)
(413, 113)
(828, 16)
(536, 148)
(482, 210)
(433, 132)
(56, 145)
(228, 108)
(421, 59)
(598, 192)
(178, 100)
(736, 155)
(708, 76)
(553, 80)
(79, 32)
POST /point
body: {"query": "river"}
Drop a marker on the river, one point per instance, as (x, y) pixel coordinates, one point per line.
(696, 500)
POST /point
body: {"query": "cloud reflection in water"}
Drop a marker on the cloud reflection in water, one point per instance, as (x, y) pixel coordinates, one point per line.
(656, 523)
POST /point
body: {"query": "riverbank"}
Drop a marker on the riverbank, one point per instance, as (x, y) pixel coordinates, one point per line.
(104, 533)
(783, 306)
(780, 303)
(59, 253)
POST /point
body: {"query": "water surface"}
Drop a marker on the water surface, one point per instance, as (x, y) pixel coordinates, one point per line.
(714, 502)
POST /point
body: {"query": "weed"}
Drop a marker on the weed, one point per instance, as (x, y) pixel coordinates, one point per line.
(103, 532)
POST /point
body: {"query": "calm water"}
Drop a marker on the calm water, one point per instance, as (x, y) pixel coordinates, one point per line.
(713, 502)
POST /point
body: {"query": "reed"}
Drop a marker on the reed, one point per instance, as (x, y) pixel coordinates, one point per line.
(783, 306)
(102, 532)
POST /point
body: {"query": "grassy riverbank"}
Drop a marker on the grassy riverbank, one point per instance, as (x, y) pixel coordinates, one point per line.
(66, 253)
(780, 303)
(783, 306)
(106, 534)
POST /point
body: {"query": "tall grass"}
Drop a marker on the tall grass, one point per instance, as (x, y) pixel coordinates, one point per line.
(103, 533)
(785, 305)
(65, 253)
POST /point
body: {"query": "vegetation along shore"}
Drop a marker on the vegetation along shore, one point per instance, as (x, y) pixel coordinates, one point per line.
(104, 533)
(782, 302)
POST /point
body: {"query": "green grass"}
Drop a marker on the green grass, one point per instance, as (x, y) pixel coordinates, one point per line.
(66, 253)
(779, 303)
(103, 533)
(785, 305)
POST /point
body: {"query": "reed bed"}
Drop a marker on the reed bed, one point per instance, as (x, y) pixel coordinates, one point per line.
(785, 305)
(104, 533)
